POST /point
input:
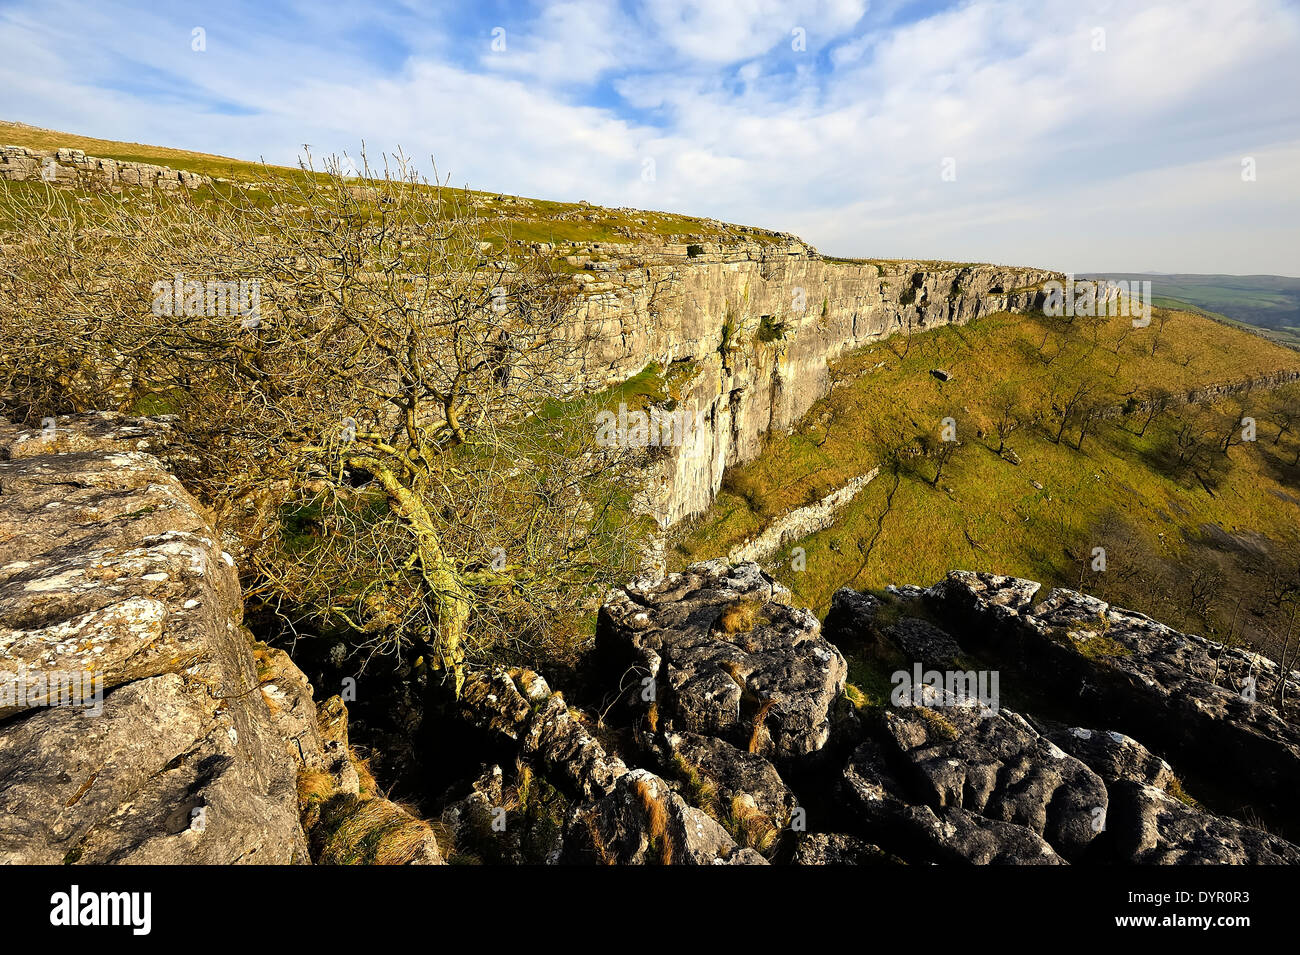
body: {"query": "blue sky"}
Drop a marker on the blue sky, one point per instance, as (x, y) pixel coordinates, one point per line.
(1078, 134)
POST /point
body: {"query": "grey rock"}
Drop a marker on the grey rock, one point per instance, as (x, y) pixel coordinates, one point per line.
(1203, 705)
(836, 848)
(1111, 755)
(107, 567)
(918, 832)
(998, 766)
(518, 706)
(1151, 827)
(923, 642)
(642, 821)
(734, 775)
(767, 677)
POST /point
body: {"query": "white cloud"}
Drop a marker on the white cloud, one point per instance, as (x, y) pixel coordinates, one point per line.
(1065, 157)
(739, 29)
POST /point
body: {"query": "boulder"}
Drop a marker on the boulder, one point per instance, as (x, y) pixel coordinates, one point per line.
(997, 765)
(1205, 706)
(1148, 826)
(518, 706)
(886, 815)
(733, 775)
(1111, 755)
(922, 642)
(117, 602)
(642, 821)
(726, 657)
(836, 848)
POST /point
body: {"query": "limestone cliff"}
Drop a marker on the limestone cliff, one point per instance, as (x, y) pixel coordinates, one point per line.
(759, 324)
(72, 167)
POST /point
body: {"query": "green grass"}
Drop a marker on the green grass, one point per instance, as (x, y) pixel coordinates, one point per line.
(986, 513)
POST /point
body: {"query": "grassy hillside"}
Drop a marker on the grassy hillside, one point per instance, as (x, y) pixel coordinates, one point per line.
(1187, 528)
(1268, 303)
(509, 217)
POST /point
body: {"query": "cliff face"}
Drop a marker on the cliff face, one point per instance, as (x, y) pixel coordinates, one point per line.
(758, 317)
(72, 167)
(760, 324)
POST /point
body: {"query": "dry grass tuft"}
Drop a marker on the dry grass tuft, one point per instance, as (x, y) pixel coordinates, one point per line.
(751, 827)
(698, 789)
(656, 810)
(355, 831)
(741, 616)
(760, 738)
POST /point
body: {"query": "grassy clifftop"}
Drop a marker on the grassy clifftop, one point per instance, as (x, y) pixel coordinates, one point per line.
(514, 217)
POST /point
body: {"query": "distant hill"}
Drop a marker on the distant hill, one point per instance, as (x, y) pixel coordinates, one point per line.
(1270, 303)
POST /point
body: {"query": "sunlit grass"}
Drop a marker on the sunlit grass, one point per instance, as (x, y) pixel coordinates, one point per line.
(985, 512)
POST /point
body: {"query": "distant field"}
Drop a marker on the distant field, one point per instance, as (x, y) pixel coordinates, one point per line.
(1270, 303)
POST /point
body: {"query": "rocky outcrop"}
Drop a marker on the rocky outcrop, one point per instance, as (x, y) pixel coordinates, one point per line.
(1205, 706)
(752, 322)
(1113, 756)
(716, 650)
(1148, 826)
(643, 820)
(158, 745)
(141, 724)
(72, 167)
(881, 808)
(950, 778)
(830, 848)
(614, 815)
(520, 708)
(998, 766)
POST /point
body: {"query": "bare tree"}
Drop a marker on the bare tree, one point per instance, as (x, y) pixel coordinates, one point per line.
(393, 420)
(1065, 404)
(1155, 400)
(1008, 414)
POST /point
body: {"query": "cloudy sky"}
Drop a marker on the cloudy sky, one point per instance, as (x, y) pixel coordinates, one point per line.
(1072, 134)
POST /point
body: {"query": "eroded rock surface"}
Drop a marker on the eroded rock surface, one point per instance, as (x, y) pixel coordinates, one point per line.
(884, 812)
(1207, 707)
(111, 579)
(935, 772)
(997, 765)
(617, 815)
(726, 656)
(642, 820)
